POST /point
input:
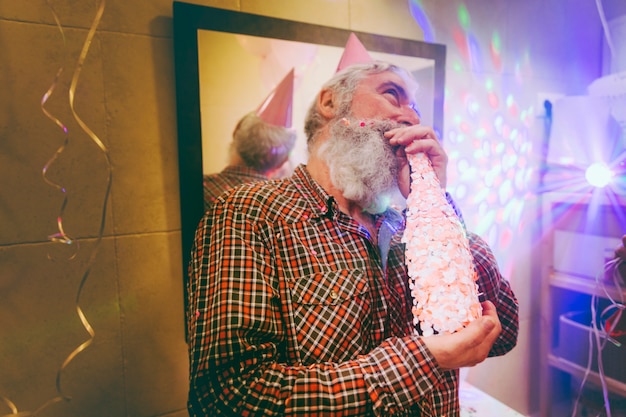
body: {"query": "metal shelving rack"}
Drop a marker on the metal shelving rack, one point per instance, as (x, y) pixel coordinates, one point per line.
(553, 281)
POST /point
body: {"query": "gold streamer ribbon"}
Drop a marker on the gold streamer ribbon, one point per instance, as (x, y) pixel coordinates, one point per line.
(61, 236)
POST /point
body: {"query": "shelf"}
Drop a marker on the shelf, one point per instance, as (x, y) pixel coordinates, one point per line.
(613, 385)
(583, 227)
(586, 286)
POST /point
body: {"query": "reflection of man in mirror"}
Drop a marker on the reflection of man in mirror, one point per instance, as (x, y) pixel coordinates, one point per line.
(299, 294)
(262, 141)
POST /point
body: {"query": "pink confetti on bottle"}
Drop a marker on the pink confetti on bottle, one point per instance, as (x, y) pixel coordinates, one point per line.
(438, 258)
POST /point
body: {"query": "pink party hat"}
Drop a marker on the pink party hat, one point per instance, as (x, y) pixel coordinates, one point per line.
(276, 109)
(355, 53)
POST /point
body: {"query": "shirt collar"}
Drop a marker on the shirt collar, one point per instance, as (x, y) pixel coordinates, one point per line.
(240, 170)
(320, 202)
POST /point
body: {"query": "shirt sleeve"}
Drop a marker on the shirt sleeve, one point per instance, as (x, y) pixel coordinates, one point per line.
(239, 351)
(497, 290)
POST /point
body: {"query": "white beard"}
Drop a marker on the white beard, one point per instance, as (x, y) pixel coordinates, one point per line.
(362, 163)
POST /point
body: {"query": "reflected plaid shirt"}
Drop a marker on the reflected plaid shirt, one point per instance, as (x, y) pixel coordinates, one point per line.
(229, 177)
(295, 312)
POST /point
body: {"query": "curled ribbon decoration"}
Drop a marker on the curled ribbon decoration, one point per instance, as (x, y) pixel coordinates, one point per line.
(61, 236)
(9, 404)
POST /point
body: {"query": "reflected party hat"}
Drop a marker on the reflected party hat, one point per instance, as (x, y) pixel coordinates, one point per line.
(277, 107)
(355, 53)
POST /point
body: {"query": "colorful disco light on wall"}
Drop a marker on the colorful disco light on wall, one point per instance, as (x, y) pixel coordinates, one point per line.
(487, 133)
(417, 11)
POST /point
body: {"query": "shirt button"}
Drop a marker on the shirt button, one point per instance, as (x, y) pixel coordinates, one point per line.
(334, 295)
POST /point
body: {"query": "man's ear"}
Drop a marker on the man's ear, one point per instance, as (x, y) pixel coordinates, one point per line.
(326, 103)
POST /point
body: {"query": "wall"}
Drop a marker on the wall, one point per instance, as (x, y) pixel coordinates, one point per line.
(116, 100)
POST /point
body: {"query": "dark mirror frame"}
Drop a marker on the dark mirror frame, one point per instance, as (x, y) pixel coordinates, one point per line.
(189, 18)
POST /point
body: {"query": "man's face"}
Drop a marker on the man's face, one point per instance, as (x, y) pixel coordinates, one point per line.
(361, 162)
(384, 96)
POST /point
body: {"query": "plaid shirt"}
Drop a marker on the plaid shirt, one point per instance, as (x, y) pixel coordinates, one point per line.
(296, 312)
(229, 177)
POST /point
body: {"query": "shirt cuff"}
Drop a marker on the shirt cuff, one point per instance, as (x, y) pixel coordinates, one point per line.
(399, 374)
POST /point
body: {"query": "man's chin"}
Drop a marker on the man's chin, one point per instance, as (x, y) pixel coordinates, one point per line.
(386, 200)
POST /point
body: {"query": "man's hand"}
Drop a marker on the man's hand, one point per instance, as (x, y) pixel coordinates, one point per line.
(416, 139)
(468, 346)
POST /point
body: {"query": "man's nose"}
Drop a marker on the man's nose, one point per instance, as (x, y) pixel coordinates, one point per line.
(409, 116)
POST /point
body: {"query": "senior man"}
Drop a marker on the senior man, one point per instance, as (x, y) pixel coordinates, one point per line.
(300, 303)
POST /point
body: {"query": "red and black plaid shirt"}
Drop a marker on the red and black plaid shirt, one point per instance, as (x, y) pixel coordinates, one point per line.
(229, 177)
(295, 312)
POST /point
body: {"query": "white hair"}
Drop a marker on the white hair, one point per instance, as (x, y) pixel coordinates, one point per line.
(262, 146)
(362, 163)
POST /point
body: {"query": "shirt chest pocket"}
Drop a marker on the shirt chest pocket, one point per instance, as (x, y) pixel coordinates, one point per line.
(332, 315)
(333, 287)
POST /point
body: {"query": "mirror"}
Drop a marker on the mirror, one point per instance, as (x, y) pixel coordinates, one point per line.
(227, 62)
